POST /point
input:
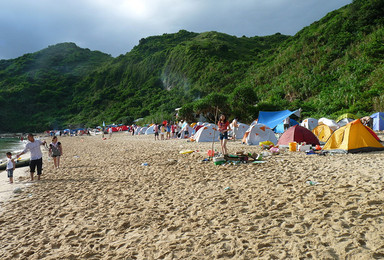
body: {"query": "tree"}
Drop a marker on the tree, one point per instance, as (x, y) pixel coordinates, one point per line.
(212, 104)
(242, 101)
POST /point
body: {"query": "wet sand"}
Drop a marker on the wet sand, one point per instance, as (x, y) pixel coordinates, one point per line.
(21, 179)
(103, 204)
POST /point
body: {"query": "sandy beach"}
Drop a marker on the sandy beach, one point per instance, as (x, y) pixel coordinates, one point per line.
(21, 179)
(103, 204)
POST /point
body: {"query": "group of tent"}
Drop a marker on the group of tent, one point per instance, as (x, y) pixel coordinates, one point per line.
(348, 134)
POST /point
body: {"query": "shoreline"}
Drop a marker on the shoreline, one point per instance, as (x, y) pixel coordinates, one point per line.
(21, 179)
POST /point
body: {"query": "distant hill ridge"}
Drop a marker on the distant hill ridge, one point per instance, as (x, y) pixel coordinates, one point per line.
(333, 66)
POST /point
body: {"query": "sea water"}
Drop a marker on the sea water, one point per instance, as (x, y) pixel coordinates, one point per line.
(12, 145)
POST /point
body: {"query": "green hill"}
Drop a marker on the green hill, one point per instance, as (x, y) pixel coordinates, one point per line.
(333, 66)
(36, 89)
(330, 67)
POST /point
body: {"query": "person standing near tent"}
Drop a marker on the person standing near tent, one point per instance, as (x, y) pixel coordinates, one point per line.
(286, 123)
(235, 127)
(168, 129)
(173, 129)
(110, 132)
(36, 155)
(223, 125)
(156, 130)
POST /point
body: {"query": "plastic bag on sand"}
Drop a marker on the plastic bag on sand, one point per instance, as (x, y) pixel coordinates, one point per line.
(274, 150)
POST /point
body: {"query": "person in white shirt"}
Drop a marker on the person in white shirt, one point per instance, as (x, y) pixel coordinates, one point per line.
(33, 146)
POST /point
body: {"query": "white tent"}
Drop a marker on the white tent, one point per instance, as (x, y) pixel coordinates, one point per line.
(259, 133)
(240, 131)
(207, 133)
(149, 130)
(142, 130)
(309, 123)
(137, 130)
(329, 122)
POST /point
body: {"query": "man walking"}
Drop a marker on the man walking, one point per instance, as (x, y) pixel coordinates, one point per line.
(33, 146)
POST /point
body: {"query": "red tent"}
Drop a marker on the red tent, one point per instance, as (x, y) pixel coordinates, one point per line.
(124, 128)
(298, 134)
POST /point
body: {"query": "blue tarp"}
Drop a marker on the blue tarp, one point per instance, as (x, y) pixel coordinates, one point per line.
(378, 121)
(280, 127)
(272, 119)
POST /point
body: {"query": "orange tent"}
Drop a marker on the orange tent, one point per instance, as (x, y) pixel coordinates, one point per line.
(323, 132)
(353, 138)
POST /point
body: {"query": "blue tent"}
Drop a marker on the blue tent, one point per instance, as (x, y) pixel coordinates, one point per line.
(280, 127)
(378, 121)
(272, 119)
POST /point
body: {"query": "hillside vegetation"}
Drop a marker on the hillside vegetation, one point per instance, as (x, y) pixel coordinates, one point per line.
(333, 66)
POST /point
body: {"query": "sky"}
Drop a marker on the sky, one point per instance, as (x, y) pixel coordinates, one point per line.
(116, 26)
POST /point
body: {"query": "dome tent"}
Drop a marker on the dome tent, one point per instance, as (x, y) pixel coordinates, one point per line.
(353, 138)
(323, 132)
(259, 133)
(309, 123)
(207, 133)
(378, 121)
(298, 134)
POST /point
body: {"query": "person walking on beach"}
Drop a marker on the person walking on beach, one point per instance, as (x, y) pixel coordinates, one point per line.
(33, 146)
(223, 125)
(55, 151)
(11, 165)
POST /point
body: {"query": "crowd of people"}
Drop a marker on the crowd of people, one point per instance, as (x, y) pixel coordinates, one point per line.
(164, 131)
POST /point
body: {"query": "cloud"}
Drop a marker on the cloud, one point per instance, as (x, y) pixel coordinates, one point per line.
(114, 27)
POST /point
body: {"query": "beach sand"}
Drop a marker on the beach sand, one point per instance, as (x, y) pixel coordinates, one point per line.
(21, 179)
(103, 204)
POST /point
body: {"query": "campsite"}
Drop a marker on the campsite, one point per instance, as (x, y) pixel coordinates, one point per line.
(132, 197)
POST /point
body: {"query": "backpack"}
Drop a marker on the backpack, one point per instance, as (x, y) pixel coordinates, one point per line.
(55, 149)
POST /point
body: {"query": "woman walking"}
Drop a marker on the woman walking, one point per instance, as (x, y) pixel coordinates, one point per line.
(55, 151)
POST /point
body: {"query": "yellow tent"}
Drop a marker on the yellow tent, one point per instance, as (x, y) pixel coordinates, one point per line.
(323, 132)
(353, 138)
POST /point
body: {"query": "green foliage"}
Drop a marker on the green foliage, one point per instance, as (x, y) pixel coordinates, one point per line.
(334, 65)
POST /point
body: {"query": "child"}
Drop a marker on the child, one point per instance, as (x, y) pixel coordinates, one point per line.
(10, 166)
(162, 132)
(55, 150)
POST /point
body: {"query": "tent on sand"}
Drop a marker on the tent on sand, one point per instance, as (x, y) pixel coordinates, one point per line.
(259, 133)
(298, 134)
(329, 122)
(353, 138)
(378, 121)
(309, 123)
(240, 130)
(345, 119)
(323, 132)
(207, 133)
